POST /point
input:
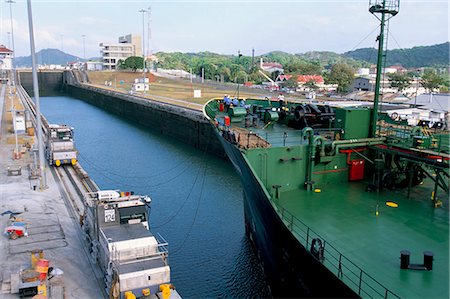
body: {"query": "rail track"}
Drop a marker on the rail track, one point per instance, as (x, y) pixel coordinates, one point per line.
(74, 184)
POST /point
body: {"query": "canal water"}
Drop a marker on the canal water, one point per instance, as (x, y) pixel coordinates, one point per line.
(197, 203)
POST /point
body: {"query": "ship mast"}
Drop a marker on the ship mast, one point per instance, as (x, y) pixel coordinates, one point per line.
(387, 9)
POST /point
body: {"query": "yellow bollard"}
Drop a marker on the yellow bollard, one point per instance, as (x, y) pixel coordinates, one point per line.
(129, 295)
(165, 289)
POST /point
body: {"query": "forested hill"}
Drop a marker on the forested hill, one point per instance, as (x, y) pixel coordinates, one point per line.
(46, 56)
(423, 56)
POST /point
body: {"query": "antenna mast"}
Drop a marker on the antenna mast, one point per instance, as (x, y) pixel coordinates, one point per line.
(387, 9)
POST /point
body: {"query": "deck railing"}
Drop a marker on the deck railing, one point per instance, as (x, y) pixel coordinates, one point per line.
(353, 276)
(141, 253)
(417, 137)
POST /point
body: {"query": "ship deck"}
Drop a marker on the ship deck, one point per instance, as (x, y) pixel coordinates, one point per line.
(345, 217)
(275, 134)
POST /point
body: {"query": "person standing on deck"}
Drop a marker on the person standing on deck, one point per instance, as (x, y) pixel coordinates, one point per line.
(226, 102)
(243, 104)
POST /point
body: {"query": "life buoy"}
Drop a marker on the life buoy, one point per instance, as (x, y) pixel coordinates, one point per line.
(317, 249)
(394, 116)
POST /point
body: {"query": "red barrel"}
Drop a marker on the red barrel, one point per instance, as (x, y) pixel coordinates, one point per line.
(227, 121)
(221, 107)
(42, 268)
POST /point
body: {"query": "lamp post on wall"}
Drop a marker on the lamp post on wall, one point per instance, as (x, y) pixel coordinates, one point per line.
(143, 11)
(237, 75)
(12, 39)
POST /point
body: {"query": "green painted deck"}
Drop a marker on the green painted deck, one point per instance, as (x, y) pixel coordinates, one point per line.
(345, 217)
(362, 248)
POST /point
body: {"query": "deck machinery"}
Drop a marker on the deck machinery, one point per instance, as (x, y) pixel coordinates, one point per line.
(59, 146)
(133, 260)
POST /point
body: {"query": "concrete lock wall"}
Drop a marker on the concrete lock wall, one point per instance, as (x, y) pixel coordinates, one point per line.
(186, 125)
(50, 82)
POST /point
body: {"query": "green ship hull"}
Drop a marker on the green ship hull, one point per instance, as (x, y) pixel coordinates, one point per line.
(329, 210)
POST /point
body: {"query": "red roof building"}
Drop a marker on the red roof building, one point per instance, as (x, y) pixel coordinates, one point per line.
(4, 49)
(302, 79)
(270, 66)
(6, 56)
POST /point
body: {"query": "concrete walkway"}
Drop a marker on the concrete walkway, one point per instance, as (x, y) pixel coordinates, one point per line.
(50, 226)
(2, 104)
(181, 103)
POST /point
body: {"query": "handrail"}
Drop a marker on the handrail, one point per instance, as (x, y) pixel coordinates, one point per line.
(416, 137)
(346, 270)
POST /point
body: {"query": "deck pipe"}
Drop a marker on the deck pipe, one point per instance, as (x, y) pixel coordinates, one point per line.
(309, 132)
(416, 131)
(335, 146)
(338, 144)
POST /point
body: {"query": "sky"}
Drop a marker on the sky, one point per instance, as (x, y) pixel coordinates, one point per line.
(224, 27)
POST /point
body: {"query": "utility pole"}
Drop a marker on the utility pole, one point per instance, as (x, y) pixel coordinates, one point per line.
(13, 111)
(43, 179)
(12, 40)
(9, 39)
(253, 59)
(84, 46)
(382, 7)
(237, 74)
(149, 36)
(143, 11)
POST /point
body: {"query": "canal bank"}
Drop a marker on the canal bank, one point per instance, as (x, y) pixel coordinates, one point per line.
(183, 124)
(46, 217)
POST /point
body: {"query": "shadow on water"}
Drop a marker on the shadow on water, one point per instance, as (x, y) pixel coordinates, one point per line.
(197, 202)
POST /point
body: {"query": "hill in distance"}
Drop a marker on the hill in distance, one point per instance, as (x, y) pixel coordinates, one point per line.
(47, 57)
(423, 56)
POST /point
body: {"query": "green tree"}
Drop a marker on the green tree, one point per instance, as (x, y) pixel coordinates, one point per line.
(241, 76)
(134, 63)
(120, 65)
(292, 82)
(431, 81)
(224, 72)
(311, 85)
(341, 74)
(236, 72)
(399, 81)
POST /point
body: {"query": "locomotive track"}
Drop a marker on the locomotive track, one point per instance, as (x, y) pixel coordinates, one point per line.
(74, 185)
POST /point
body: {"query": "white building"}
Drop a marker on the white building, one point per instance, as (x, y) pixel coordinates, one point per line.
(6, 56)
(367, 83)
(94, 65)
(141, 84)
(128, 45)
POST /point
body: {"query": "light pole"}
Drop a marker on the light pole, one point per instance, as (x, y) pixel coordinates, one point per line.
(84, 46)
(43, 181)
(237, 74)
(9, 39)
(12, 39)
(13, 111)
(143, 11)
